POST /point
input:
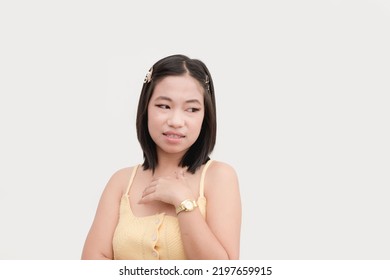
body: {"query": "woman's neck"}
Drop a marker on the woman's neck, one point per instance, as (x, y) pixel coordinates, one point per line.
(168, 163)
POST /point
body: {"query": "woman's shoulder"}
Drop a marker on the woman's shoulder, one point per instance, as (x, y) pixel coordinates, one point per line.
(219, 172)
(221, 180)
(120, 178)
(219, 168)
(123, 172)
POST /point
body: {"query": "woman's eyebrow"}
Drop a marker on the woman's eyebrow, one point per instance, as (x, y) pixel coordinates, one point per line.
(161, 97)
(193, 101)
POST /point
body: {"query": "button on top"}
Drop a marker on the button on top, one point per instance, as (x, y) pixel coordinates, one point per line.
(154, 237)
(154, 253)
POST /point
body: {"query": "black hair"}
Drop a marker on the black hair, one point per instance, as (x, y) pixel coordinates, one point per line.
(178, 65)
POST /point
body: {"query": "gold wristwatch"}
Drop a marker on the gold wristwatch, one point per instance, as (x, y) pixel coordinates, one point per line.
(187, 205)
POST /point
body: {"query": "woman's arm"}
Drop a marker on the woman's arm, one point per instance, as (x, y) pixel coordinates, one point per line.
(98, 245)
(219, 236)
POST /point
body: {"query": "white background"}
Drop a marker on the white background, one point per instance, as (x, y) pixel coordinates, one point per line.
(302, 92)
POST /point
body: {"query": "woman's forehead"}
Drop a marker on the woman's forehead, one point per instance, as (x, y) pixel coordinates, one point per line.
(176, 88)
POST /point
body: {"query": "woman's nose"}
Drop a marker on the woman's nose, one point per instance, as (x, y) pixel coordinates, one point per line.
(175, 119)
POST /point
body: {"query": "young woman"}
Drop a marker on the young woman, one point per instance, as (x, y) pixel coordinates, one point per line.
(178, 204)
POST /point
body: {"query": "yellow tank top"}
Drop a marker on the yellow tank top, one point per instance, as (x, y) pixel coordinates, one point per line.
(155, 237)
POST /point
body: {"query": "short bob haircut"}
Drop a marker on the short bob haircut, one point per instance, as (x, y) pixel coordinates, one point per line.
(179, 65)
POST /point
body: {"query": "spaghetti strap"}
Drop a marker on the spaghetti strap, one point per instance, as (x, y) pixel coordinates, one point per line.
(131, 178)
(203, 175)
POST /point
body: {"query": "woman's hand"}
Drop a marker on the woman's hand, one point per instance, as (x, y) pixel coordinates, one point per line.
(169, 189)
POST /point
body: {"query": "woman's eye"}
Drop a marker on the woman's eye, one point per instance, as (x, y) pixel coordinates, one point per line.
(162, 106)
(193, 110)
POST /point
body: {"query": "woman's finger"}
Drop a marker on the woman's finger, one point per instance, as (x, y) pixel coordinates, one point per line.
(147, 198)
(148, 190)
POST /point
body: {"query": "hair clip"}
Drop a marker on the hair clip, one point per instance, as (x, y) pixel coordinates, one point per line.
(207, 82)
(148, 76)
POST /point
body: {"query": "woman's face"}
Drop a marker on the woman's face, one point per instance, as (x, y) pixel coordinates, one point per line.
(175, 114)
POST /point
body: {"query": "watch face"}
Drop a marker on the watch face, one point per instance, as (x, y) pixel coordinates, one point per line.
(188, 205)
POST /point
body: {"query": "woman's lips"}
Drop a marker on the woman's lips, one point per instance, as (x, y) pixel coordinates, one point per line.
(173, 136)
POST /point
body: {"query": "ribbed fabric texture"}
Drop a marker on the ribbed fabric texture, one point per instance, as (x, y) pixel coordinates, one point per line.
(151, 237)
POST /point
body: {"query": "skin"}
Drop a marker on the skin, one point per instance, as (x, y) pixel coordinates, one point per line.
(176, 108)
